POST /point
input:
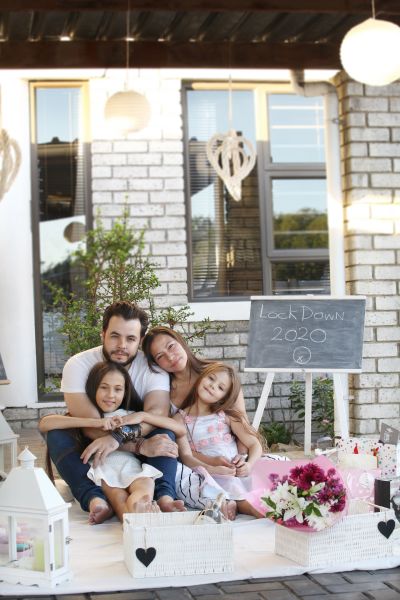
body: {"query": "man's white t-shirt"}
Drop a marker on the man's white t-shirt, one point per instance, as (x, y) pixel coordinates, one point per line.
(144, 380)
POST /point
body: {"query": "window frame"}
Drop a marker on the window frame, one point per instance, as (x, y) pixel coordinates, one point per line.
(35, 212)
(267, 170)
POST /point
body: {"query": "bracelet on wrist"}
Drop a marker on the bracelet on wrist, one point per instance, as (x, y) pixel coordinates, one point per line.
(127, 433)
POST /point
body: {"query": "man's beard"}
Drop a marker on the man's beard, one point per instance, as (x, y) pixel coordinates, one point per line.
(108, 356)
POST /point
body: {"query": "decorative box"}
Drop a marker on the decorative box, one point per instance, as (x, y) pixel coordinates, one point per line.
(355, 537)
(388, 455)
(167, 544)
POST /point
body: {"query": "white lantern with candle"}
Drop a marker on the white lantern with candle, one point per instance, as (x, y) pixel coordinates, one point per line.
(33, 527)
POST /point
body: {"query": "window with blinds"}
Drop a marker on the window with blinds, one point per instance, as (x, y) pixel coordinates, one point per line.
(60, 207)
(225, 234)
(275, 240)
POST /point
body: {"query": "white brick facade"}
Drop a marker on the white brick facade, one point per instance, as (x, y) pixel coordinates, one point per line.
(370, 120)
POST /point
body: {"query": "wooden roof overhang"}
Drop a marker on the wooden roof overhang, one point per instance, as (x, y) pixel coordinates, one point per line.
(256, 34)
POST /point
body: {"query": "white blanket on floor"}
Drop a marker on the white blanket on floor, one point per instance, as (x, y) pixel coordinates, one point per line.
(97, 563)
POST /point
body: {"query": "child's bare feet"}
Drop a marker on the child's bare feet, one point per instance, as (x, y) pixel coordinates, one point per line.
(146, 507)
(167, 504)
(229, 509)
(99, 511)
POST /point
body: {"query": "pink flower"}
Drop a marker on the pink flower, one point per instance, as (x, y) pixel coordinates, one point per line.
(203, 443)
(221, 426)
(227, 438)
(210, 428)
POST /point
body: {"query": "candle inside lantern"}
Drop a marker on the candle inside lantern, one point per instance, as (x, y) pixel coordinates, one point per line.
(38, 555)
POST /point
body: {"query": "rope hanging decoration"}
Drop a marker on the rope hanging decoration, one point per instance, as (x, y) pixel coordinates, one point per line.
(10, 161)
(232, 156)
(227, 155)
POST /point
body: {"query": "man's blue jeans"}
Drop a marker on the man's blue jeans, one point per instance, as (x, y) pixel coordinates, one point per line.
(65, 451)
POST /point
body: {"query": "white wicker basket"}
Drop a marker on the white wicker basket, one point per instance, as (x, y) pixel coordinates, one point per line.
(355, 537)
(180, 547)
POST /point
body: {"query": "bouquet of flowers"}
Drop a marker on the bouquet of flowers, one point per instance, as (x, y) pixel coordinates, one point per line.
(307, 496)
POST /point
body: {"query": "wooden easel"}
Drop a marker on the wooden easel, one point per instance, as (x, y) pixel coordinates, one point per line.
(341, 418)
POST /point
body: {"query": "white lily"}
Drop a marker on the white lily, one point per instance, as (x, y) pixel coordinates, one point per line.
(295, 508)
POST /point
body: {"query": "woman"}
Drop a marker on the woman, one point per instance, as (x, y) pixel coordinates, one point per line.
(166, 348)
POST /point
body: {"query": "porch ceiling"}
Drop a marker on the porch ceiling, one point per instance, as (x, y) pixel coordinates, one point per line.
(265, 34)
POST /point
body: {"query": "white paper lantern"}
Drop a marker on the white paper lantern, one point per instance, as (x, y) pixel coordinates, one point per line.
(33, 527)
(370, 52)
(127, 111)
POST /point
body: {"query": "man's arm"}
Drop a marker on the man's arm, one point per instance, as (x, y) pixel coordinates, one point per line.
(157, 403)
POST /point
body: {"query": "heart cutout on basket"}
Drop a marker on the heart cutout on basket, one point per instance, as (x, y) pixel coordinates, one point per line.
(386, 528)
(146, 556)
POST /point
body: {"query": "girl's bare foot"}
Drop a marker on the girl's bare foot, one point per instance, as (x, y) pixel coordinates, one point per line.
(167, 504)
(146, 507)
(99, 511)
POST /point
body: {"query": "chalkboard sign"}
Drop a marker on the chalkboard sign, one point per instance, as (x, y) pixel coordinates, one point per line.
(306, 333)
(3, 376)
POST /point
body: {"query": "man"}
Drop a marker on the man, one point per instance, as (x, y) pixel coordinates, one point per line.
(124, 325)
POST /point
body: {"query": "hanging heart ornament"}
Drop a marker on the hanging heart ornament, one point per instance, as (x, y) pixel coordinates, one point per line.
(10, 160)
(232, 156)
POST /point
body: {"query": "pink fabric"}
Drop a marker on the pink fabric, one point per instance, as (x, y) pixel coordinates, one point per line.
(264, 468)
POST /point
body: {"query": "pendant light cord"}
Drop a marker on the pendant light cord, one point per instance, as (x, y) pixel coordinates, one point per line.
(230, 104)
(373, 8)
(128, 19)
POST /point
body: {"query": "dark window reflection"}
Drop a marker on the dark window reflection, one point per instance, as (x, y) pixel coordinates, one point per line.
(306, 277)
(62, 204)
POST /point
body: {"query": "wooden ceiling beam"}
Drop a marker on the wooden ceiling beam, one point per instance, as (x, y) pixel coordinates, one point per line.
(292, 6)
(73, 55)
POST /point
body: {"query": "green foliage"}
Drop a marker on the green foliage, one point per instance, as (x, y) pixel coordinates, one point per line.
(276, 433)
(309, 229)
(110, 265)
(322, 403)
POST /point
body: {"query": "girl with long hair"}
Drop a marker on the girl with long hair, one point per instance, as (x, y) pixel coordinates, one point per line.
(127, 483)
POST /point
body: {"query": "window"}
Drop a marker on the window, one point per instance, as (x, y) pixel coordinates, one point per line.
(60, 205)
(275, 239)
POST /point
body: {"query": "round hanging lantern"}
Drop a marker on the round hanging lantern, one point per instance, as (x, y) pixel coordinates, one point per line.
(370, 52)
(127, 111)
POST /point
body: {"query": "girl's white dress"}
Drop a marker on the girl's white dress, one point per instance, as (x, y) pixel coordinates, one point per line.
(120, 468)
(211, 435)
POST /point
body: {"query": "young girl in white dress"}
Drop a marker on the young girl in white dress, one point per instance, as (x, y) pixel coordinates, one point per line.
(214, 426)
(127, 483)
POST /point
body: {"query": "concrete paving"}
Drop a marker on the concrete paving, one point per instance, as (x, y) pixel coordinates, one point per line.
(352, 585)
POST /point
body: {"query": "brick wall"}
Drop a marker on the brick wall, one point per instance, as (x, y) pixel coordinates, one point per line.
(148, 175)
(370, 124)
